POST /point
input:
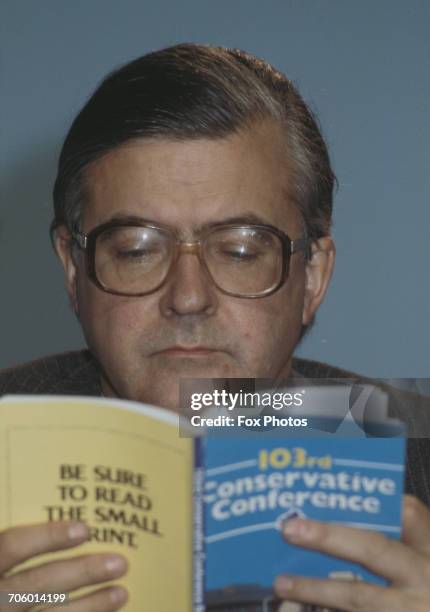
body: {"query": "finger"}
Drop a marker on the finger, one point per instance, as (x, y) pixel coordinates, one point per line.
(18, 544)
(68, 574)
(342, 595)
(416, 524)
(388, 558)
(103, 600)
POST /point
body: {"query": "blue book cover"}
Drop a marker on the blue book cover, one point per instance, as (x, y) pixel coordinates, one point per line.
(247, 486)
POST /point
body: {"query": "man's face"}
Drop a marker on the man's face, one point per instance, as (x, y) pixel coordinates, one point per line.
(188, 327)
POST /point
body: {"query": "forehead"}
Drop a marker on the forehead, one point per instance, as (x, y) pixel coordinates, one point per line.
(189, 183)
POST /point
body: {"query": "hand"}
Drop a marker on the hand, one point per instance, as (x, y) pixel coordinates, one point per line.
(18, 544)
(405, 564)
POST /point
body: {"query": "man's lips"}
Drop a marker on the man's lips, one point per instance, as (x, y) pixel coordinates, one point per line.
(187, 351)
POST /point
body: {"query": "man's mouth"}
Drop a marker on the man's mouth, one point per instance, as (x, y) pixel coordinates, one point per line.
(187, 351)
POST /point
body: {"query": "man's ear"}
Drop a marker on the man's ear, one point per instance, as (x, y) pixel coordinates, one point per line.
(64, 249)
(319, 269)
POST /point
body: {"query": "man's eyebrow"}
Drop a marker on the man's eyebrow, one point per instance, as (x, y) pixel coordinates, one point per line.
(124, 218)
(244, 219)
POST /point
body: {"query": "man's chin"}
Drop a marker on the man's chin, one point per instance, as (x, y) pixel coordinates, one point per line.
(157, 382)
(161, 395)
(215, 364)
(162, 384)
(163, 398)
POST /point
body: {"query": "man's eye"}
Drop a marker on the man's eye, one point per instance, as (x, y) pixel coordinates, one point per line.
(241, 255)
(135, 254)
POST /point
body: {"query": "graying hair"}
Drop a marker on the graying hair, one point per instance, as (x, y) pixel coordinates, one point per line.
(195, 91)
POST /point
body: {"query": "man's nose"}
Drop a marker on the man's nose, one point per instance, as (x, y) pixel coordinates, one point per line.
(189, 289)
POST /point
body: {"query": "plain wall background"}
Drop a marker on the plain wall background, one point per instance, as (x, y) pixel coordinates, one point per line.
(363, 66)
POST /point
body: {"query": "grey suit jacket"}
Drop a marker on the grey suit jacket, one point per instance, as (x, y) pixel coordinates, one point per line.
(77, 373)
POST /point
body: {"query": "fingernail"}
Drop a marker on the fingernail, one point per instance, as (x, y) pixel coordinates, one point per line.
(114, 564)
(296, 528)
(78, 531)
(118, 595)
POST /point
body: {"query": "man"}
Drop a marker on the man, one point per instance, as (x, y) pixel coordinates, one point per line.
(192, 219)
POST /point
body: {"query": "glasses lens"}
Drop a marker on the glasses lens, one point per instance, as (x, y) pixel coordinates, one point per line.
(245, 260)
(132, 260)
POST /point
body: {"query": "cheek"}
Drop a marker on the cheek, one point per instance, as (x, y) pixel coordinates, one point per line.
(273, 327)
(109, 320)
(267, 331)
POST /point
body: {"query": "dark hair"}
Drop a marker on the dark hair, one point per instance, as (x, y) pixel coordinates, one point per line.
(195, 91)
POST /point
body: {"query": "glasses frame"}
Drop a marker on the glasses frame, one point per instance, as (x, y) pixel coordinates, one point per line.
(87, 243)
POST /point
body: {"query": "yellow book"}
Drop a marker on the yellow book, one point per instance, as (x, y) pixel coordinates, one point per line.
(122, 468)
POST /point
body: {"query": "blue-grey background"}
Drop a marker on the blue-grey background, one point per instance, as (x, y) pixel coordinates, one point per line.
(363, 66)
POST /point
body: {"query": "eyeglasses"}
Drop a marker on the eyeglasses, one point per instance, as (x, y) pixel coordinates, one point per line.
(135, 259)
